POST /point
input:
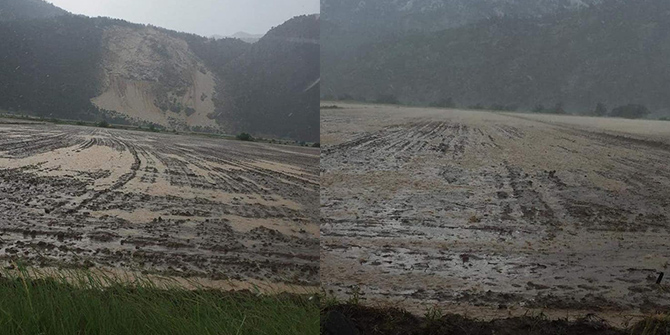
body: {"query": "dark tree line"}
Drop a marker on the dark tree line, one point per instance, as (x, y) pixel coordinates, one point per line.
(629, 111)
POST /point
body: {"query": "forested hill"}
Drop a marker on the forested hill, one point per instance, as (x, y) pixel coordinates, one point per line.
(50, 67)
(276, 84)
(76, 67)
(615, 53)
(434, 15)
(28, 9)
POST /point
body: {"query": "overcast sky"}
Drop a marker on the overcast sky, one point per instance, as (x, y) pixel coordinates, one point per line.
(202, 17)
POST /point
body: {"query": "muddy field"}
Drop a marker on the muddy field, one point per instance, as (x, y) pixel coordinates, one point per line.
(491, 214)
(159, 203)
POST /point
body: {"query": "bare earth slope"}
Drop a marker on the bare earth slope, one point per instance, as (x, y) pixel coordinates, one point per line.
(149, 76)
(491, 214)
(167, 204)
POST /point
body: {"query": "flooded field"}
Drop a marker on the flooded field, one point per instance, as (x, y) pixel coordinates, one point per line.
(492, 214)
(185, 206)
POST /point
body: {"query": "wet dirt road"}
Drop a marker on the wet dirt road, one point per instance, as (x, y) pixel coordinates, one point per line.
(175, 205)
(493, 214)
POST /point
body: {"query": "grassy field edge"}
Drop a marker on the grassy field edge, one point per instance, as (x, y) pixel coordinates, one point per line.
(83, 302)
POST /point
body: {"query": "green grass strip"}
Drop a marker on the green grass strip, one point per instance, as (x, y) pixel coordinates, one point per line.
(81, 302)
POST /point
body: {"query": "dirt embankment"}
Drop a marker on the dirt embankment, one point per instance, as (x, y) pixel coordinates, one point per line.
(149, 76)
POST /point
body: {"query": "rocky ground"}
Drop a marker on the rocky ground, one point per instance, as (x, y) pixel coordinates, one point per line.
(159, 203)
(150, 76)
(493, 214)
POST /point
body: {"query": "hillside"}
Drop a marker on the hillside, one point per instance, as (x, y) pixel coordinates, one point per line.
(249, 38)
(50, 67)
(349, 24)
(432, 15)
(75, 67)
(615, 53)
(28, 9)
(281, 89)
(151, 75)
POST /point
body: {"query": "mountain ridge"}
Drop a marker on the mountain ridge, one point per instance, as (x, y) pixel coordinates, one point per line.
(433, 15)
(28, 9)
(76, 67)
(613, 53)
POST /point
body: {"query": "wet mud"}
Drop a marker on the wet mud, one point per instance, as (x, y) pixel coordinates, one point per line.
(158, 203)
(494, 212)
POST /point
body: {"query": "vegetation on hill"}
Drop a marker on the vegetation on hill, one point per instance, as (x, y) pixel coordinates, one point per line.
(274, 87)
(52, 66)
(215, 53)
(630, 111)
(614, 53)
(270, 87)
(373, 16)
(28, 9)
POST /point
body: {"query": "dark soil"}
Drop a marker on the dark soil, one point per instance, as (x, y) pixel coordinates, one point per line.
(354, 319)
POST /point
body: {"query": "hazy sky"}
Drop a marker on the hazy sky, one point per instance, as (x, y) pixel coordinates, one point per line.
(202, 17)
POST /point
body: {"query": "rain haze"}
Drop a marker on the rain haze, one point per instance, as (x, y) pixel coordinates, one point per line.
(497, 160)
(202, 17)
(132, 100)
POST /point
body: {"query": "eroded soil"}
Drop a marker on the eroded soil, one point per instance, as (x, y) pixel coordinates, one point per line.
(159, 203)
(493, 214)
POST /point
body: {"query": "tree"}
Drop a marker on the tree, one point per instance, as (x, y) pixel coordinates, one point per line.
(501, 107)
(630, 111)
(189, 111)
(558, 108)
(497, 107)
(387, 99)
(601, 110)
(245, 137)
(538, 108)
(345, 97)
(444, 103)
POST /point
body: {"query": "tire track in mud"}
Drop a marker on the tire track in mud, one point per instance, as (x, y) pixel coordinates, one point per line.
(605, 137)
(614, 211)
(531, 202)
(499, 231)
(404, 142)
(35, 145)
(50, 220)
(122, 181)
